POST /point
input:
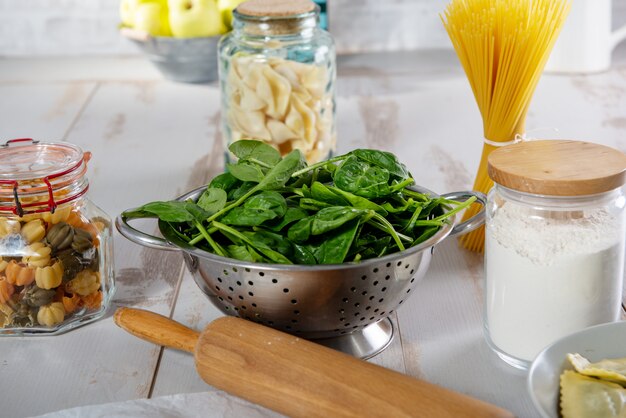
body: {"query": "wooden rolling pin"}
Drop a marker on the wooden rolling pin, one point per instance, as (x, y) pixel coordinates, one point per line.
(297, 377)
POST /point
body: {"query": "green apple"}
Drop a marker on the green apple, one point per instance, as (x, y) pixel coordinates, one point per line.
(226, 9)
(152, 17)
(195, 18)
(127, 12)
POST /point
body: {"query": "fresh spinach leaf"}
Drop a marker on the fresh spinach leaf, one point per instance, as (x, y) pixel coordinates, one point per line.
(173, 211)
(383, 159)
(224, 181)
(212, 200)
(334, 248)
(250, 149)
(246, 171)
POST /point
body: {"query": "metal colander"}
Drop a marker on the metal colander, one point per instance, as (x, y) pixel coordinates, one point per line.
(344, 306)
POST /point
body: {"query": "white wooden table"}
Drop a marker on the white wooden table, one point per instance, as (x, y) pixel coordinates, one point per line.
(152, 139)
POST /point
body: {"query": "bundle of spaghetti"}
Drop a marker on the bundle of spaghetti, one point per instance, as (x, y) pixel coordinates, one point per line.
(503, 46)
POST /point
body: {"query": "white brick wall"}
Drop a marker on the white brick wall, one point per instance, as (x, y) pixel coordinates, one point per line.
(89, 27)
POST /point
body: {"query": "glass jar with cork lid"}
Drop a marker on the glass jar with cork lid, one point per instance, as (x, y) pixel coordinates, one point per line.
(56, 267)
(277, 78)
(554, 244)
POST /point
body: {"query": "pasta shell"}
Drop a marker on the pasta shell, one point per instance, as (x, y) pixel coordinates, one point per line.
(249, 100)
(314, 81)
(275, 90)
(51, 314)
(280, 132)
(251, 124)
(308, 119)
(253, 74)
(6, 291)
(9, 226)
(294, 121)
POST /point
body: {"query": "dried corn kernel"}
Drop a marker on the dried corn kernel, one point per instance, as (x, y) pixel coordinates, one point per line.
(85, 283)
(6, 291)
(51, 314)
(8, 227)
(60, 215)
(33, 231)
(50, 276)
(37, 255)
(19, 274)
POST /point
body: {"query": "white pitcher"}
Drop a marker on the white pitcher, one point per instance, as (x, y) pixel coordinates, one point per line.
(586, 42)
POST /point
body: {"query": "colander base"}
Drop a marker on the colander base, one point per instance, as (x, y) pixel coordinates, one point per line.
(364, 343)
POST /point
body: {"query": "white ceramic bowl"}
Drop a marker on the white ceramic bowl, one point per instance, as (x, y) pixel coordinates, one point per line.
(594, 343)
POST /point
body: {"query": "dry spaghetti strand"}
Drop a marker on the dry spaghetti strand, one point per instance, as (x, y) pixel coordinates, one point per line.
(503, 46)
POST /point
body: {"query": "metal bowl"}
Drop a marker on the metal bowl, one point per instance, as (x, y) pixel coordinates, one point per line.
(343, 306)
(187, 60)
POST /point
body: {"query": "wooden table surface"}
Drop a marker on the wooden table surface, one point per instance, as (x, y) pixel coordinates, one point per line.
(153, 139)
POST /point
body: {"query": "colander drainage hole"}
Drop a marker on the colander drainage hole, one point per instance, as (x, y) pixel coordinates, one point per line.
(400, 302)
(362, 319)
(221, 298)
(226, 307)
(230, 298)
(294, 321)
(356, 305)
(343, 332)
(364, 277)
(364, 293)
(247, 270)
(357, 314)
(345, 300)
(376, 310)
(367, 308)
(238, 283)
(237, 309)
(240, 297)
(285, 290)
(412, 280)
(353, 289)
(347, 324)
(412, 271)
(336, 330)
(219, 279)
(380, 300)
(261, 274)
(254, 305)
(383, 289)
(235, 269)
(250, 282)
(375, 270)
(372, 318)
(375, 282)
(250, 293)
(408, 290)
(274, 281)
(371, 297)
(296, 312)
(243, 307)
(217, 288)
(231, 288)
(399, 263)
(355, 327)
(342, 319)
(341, 311)
(294, 301)
(387, 277)
(388, 265)
(225, 273)
(382, 313)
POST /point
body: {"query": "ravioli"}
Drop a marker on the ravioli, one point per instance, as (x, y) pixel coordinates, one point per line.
(613, 370)
(587, 397)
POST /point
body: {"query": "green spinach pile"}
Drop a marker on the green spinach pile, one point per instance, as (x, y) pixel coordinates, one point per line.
(269, 209)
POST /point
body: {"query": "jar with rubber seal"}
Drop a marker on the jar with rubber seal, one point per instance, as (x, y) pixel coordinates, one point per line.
(56, 267)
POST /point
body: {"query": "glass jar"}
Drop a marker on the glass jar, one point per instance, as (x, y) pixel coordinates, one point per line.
(554, 244)
(277, 77)
(56, 267)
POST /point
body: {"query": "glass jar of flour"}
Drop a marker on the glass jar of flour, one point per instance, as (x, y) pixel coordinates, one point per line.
(554, 250)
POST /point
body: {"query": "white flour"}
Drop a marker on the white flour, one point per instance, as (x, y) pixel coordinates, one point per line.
(550, 276)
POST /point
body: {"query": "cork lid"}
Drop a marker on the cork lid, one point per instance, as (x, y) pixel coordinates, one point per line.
(275, 8)
(558, 167)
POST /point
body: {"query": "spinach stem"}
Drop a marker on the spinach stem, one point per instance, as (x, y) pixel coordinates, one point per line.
(413, 219)
(317, 165)
(218, 250)
(390, 230)
(196, 239)
(402, 185)
(456, 209)
(416, 195)
(259, 162)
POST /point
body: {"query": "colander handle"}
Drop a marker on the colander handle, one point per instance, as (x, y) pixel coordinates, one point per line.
(476, 220)
(139, 237)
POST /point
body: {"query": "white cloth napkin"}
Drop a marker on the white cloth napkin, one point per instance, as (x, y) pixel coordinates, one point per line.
(184, 405)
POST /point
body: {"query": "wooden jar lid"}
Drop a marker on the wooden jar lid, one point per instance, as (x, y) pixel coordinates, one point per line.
(275, 8)
(558, 168)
